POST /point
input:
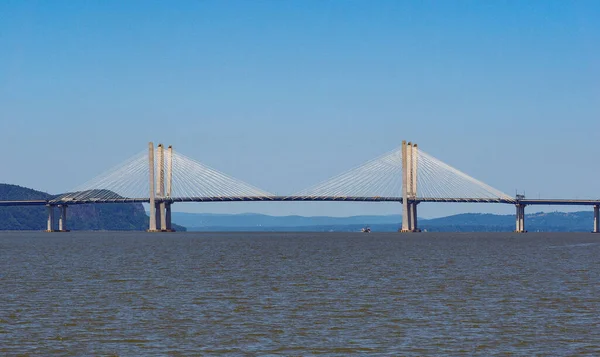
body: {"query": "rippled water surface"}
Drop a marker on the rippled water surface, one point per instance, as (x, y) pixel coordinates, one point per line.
(194, 294)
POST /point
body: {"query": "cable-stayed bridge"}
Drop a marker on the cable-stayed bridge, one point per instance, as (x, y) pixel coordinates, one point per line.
(161, 177)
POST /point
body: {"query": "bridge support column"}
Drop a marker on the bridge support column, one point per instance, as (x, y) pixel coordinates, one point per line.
(169, 225)
(158, 216)
(596, 219)
(50, 222)
(409, 218)
(163, 217)
(520, 219)
(413, 216)
(62, 219)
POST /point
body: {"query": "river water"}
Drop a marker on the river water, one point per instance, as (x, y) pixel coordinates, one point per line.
(325, 294)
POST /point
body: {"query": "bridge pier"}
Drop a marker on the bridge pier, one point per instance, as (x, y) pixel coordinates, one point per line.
(50, 222)
(412, 225)
(169, 225)
(520, 218)
(62, 219)
(163, 217)
(596, 219)
(158, 216)
(413, 216)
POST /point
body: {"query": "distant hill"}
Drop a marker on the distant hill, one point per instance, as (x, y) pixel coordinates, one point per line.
(468, 222)
(540, 221)
(114, 216)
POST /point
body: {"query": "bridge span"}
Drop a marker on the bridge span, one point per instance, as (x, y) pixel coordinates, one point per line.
(405, 175)
(526, 202)
(520, 204)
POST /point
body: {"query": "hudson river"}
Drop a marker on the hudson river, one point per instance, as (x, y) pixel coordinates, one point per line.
(195, 294)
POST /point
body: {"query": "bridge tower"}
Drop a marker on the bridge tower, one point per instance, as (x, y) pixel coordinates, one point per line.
(152, 224)
(405, 220)
(160, 207)
(160, 189)
(409, 187)
(167, 210)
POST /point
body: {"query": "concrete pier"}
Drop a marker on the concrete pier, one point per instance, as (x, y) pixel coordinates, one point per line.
(520, 218)
(158, 216)
(409, 218)
(62, 219)
(596, 219)
(517, 218)
(168, 218)
(523, 230)
(163, 216)
(152, 205)
(415, 226)
(50, 222)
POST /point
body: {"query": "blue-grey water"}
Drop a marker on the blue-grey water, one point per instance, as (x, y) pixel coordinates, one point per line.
(194, 294)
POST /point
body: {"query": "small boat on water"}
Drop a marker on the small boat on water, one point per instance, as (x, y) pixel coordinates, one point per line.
(366, 229)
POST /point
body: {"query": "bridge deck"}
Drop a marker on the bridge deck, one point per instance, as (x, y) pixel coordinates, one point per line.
(283, 199)
(560, 202)
(24, 203)
(574, 202)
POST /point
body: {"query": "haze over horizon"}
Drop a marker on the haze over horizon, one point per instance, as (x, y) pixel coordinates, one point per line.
(283, 95)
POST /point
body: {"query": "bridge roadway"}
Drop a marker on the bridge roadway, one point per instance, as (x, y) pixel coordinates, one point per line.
(526, 202)
(24, 203)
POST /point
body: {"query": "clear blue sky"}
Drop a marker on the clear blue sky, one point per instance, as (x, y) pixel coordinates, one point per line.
(283, 94)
